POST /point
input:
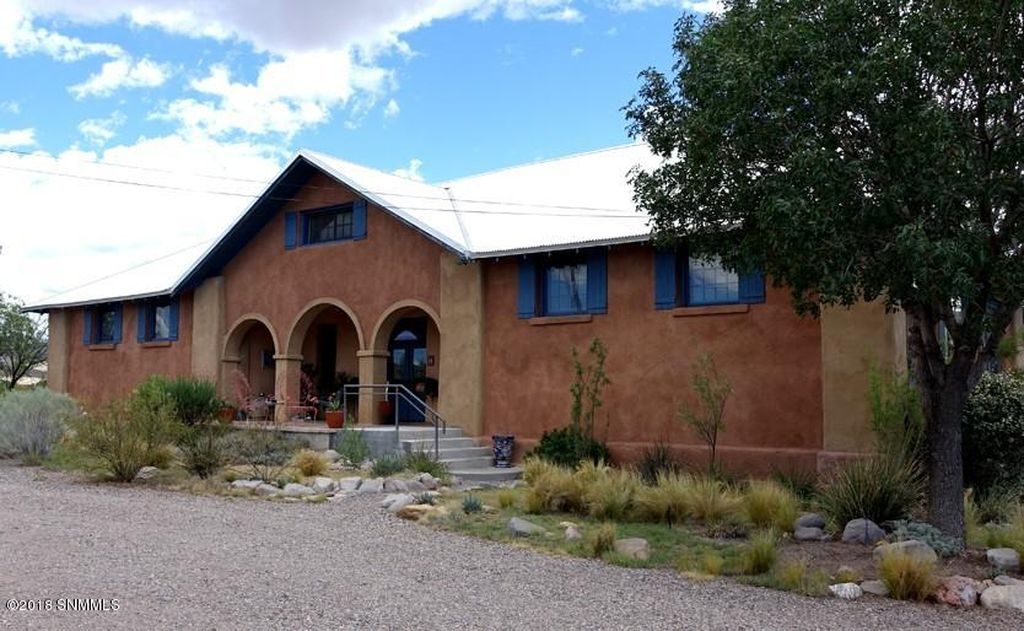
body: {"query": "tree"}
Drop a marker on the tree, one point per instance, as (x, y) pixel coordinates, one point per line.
(707, 418)
(22, 342)
(856, 150)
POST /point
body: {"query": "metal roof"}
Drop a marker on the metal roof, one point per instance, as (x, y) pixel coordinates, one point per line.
(582, 200)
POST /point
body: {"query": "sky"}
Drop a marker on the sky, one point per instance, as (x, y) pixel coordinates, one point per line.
(131, 130)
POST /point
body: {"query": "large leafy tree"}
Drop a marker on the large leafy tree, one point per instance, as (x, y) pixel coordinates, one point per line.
(22, 342)
(857, 150)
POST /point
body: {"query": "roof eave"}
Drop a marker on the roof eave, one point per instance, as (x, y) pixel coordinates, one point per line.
(44, 307)
(561, 247)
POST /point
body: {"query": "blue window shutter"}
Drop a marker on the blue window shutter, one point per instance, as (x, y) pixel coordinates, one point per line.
(118, 312)
(752, 287)
(174, 320)
(526, 304)
(359, 219)
(289, 231)
(664, 279)
(141, 315)
(597, 281)
(87, 326)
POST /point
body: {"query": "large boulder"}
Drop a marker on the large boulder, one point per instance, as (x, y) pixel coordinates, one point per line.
(266, 490)
(957, 591)
(877, 588)
(633, 548)
(332, 456)
(862, 531)
(392, 485)
(917, 550)
(415, 486)
(809, 520)
(293, 489)
(428, 481)
(522, 528)
(323, 485)
(396, 502)
(1004, 559)
(1003, 579)
(1004, 597)
(808, 533)
(372, 485)
(349, 484)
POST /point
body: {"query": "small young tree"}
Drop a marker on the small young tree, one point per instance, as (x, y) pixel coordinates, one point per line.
(706, 418)
(587, 388)
(22, 342)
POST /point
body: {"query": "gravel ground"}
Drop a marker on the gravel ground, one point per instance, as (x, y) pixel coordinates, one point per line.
(179, 561)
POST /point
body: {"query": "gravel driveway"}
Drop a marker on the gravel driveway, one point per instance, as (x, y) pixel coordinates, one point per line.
(179, 561)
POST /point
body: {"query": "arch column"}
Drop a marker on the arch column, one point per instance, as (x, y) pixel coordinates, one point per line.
(228, 366)
(287, 384)
(373, 369)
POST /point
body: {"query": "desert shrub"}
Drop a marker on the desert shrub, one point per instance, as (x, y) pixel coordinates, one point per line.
(803, 484)
(767, 504)
(907, 577)
(265, 451)
(567, 446)
(388, 464)
(897, 418)
(795, 576)
(654, 461)
(944, 545)
(993, 432)
(426, 498)
(423, 462)
(310, 462)
(534, 467)
(195, 400)
(202, 449)
(667, 500)
(123, 437)
(710, 500)
(760, 553)
(32, 422)
(506, 498)
(881, 488)
(601, 539)
(555, 489)
(472, 504)
(712, 563)
(352, 448)
(847, 574)
(1009, 534)
(610, 496)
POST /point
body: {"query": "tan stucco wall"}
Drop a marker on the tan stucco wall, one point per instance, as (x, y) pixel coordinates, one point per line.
(57, 352)
(852, 340)
(208, 328)
(461, 397)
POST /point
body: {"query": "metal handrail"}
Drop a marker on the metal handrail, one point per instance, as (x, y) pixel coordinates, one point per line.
(399, 390)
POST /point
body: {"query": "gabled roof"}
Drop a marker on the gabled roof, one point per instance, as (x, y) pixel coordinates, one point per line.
(565, 203)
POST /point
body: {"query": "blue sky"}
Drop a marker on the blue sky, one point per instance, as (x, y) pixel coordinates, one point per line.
(218, 97)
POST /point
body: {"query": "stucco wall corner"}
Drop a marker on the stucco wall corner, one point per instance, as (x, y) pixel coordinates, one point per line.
(58, 350)
(461, 396)
(208, 328)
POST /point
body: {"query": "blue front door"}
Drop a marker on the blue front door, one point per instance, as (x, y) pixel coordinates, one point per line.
(407, 364)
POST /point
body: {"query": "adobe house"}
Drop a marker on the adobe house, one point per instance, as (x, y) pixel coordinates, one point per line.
(485, 284)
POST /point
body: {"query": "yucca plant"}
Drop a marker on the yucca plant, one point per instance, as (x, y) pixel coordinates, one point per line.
(881, 488)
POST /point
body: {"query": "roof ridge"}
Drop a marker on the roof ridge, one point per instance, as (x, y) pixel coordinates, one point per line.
(366, 166)
(538, 161)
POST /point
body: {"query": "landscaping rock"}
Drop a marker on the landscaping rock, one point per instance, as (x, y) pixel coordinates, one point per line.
(415, 486)
(265, 489)
(420, 512)
(372, 485)
(146, 473)
(957, 591)
(876, 588)
(332, 456)
(808, 533)
(809, 520)
(917, 550)
(323, 485)
(572, 533)
(395, 503)
(246, 484)
(862, 531)
(349, 484)
(392, 485)
(428, 481)
(633, 548)
(296, 490)
(337, 466)
(1003, 597)
(1004, 559)
(522, 528)
(1003, 579)
(846, 591)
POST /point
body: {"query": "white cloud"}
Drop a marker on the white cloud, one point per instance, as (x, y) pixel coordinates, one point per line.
(15, 138)
(391, 110)
(122, 72)
(412, 171)
(576, 52)
(697, 6)
(10, 107)
(100, 131)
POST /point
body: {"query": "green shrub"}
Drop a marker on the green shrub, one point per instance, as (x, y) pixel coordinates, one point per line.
(388, 464)
(123, 437)
(310, 462)
(803, 484)
(710, 500)
(421, 461)
(202, 449)
(568, 447)
(506, 498)
(472, 504)
(265, 451)
(993, 433)
(768, 504)
(32, 422)
(426, 498)
(944, 545)
(881, 488)
(654, 461)
(667, 500)
(897, 418)
(534, 467)
(610, 496)
(602, 539)
(907, 577)
(760, 553)
(195, 400)
(712, 563)
(352, 448)
(846, 574)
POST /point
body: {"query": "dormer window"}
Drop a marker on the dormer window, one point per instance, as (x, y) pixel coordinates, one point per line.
(331, 224)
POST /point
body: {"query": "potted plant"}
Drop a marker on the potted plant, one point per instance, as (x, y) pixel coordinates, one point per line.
(386, 409)
(501, 446)
(227, 412)
(334, 415)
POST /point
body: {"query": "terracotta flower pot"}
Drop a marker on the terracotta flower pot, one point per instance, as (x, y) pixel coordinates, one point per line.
(228, 414)
(385, 409)
(335, 419)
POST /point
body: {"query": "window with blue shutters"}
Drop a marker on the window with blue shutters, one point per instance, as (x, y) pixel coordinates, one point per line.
(345, 222)
(102, 324)
(563, 284)
(157, 321)
(684, 281)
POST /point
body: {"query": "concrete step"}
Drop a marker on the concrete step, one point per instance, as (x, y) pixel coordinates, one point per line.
(410, 432)
(444, 443)
(478, 462)
(487, 475)
(463, 452)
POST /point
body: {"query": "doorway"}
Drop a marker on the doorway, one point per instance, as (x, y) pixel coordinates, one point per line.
(407, 363)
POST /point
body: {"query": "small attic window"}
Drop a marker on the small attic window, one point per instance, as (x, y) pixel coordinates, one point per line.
(324, 226)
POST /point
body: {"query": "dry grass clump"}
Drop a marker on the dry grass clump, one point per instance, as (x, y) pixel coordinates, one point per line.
(666, 501)
(602, 539)
(768, 504)
(610, 494)
(907, 577)
(311, 462)
(506, 498)
(710, 500)
(760, 553)
(554, 489)
(794, 576)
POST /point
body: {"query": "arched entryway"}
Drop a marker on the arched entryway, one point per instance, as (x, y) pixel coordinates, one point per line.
(249, 367)
(409, 339)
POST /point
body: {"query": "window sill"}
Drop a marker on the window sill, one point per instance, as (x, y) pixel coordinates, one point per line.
(689, 312)
(102, 347)
(155, 344)
(567, 319)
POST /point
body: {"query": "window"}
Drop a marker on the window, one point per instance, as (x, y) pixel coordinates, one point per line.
(564, 286)
(328, 225)
(711, 284)
(158, 321)
(568, 283)
(106, 325)
(684, 281)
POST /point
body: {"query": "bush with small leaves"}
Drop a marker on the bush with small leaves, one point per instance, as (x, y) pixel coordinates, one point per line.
(202, 448)
(907, 577)
(760, 553)
(310, 462)
(472, 504)
(32, 422)
(120, 438)
(944, 545)
(602, 539)
(265, 451)
(388, 464)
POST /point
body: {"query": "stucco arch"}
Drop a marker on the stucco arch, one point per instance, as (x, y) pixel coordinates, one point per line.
(394, 313)
(308, 313)
(238, 329)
